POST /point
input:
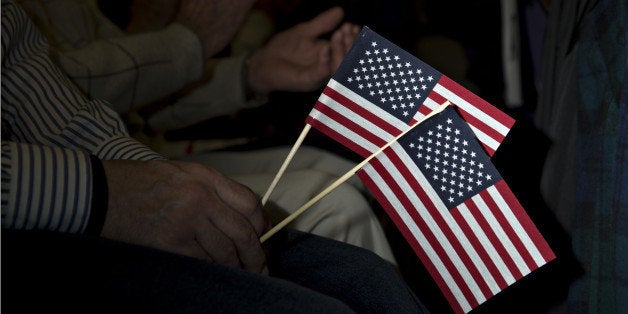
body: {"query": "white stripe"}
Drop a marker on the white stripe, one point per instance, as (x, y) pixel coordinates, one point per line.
(356, 118)
(486, 244)
(49, 181)
(418, 235)
(25, 173)
(484, 138)
(352, 136)
(443, 211)
(61, 186)
(84, 196)
(71, 184)
(501, 234)
(376, 110)
(31, 221)
(516, 226)
(466, 106)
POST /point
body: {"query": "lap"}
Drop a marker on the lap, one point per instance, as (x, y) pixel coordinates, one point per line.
(72, 273)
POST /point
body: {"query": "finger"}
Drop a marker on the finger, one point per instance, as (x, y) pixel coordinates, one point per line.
(241, 199)
(242, 234)
(322, 23)
(351, 32)
(215, 244)
(337, 49)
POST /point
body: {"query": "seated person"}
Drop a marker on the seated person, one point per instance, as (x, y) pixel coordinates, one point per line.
(94, 221)
(132, 70)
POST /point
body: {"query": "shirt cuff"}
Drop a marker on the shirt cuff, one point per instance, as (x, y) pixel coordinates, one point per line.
(100, 198)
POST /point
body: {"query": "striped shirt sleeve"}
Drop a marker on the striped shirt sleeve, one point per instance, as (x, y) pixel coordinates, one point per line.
(44, 187)
(50, 129)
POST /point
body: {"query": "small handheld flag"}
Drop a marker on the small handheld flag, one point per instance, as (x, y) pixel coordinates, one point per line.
(443, 193)
(380, 89)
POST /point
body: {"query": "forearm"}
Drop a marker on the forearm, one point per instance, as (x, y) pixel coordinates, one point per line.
(225, 93)
(135, 70)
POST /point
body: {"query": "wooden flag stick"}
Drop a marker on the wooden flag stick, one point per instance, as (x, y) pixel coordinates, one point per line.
(285, 164)
(344, 178)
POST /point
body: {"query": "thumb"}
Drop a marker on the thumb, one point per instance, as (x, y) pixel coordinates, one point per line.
(323, 23)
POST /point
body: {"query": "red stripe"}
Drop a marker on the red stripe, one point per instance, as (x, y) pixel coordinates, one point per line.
(477, 246)
(337, 136)
(510, 232)
(440, 222)
(525, 221)
(476, 101)
(492, 237)
(346, 122)
(362, 111)
(416, 246)
(424, 109)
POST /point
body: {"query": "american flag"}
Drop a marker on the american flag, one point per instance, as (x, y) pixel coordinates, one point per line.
(440, 188)
(380, 89)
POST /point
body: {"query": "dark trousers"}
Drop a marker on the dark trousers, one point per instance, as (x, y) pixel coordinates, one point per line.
(52, 272)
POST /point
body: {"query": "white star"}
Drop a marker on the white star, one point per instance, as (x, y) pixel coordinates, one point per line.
(373, 44)
(430, 78)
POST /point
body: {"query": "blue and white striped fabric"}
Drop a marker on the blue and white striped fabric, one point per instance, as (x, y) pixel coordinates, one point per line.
(49, 130)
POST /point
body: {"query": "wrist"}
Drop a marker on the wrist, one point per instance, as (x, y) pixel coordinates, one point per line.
(254, 88)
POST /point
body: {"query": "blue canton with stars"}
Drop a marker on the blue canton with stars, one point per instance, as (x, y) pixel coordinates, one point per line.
(450, 157)
(386, 75)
